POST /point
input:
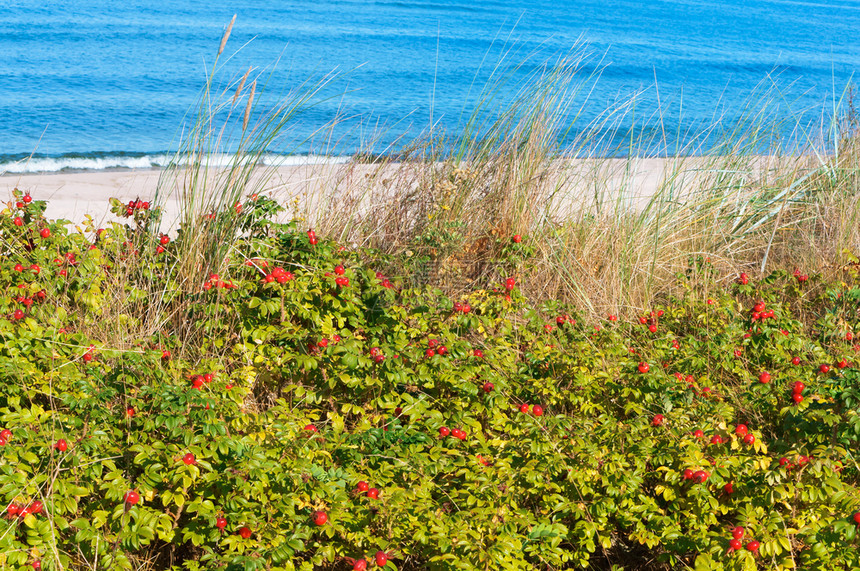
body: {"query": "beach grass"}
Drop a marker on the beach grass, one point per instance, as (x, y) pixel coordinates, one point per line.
(606, 230)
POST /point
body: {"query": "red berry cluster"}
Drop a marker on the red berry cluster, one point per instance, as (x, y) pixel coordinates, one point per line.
(279, 275)
(312, 237)
(800, 277)
(314, 347)
(457, 433)
(14, 510)
(435, 348)
(197, 381)
(462, 307)
(377, 355)
(216, 282)
(760, 312)
(797, 392)
(736, 545)
(380, 558)
(383, 281)
(135, 205)
(742, 432)
(697, 476)
(651, 320)
(536, 410)
(786, 464)
(364, 488)
(743, 279)
(27, 302)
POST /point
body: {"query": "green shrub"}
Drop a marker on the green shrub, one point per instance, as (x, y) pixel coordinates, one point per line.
(258, 402)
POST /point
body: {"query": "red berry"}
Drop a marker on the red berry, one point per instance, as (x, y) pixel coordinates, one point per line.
(373, 493)
(537, 410)
(381, 558)
(359, 565)
(189, 459)
(824, 369)
(797, 398)
(131, 497)
(524, 408)
(45, 233)
(734, 545)
(61, 445)
(310, 428)
(517, 238)
(35, 507)
(657, 420)
(738, 532)
(842, 364)
(652, 328)
(688, 474)
(741, 430)
(644, 367)
(27, 199)
(220, 523)
(717, 439)
(764, 378)
(700, 476)
(339, 270)
(729, 488)
(752, 546)
(795, 360)
(245, 532)
(164, 240)
(698, 433)
(444, 431)
(749, 439)
(510, 283)
(488, 387)
(18, 221)
(320, 518)
(857, 518)
(362, 486)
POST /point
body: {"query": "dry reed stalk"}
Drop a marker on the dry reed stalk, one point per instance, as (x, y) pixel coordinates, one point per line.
(249, 105)
(226, 35)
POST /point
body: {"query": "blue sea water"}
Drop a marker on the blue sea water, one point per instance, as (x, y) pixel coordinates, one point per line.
(98, 83)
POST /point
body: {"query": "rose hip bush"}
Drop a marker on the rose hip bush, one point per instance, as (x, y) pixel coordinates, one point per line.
(327, 417)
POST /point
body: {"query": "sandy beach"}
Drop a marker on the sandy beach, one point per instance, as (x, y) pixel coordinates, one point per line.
(334, 188)
(71, 195)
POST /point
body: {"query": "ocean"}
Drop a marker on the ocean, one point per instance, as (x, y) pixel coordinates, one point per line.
(100, 84)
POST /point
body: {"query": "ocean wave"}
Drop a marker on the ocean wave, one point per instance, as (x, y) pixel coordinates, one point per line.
(106, 161)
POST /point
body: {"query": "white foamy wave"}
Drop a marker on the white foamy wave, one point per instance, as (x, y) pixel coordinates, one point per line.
(154, 161)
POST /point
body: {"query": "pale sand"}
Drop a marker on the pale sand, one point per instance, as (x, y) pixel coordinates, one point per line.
(72, 195)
